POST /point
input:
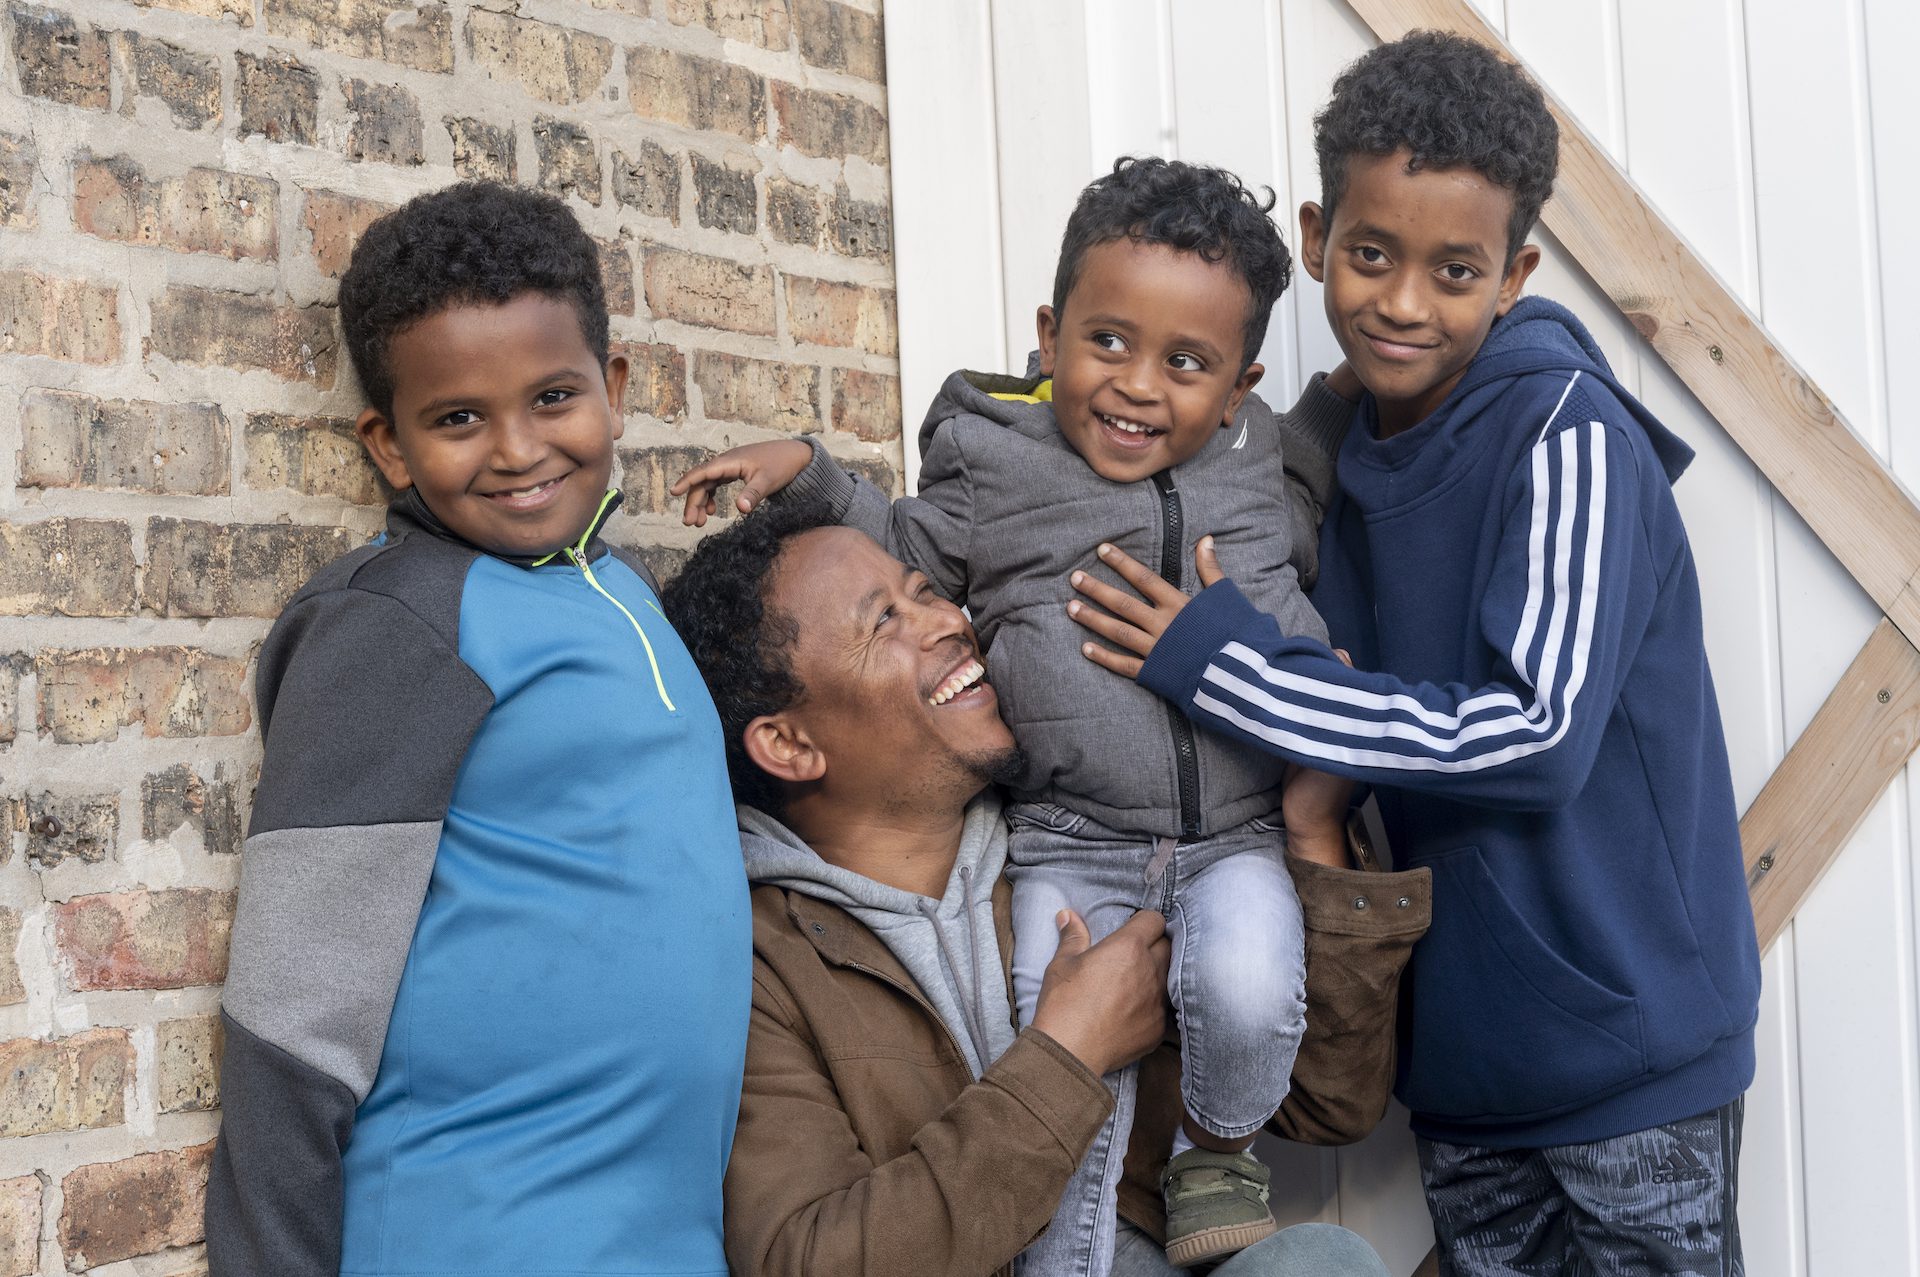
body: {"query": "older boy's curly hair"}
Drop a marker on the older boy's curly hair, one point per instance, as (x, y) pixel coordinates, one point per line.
(1453, 103)
(742, 644)
(1191, 207)
(472, 242)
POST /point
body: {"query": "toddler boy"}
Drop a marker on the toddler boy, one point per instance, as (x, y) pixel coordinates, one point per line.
(488, 998)
(1136, 426)
(1506, 549)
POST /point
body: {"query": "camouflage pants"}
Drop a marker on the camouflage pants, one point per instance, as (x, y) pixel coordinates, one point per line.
(1656, 1201)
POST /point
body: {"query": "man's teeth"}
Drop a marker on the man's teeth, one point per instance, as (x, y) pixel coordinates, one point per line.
(963, 678)
(1128, 427)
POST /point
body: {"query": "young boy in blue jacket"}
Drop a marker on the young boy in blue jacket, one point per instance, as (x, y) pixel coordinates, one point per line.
(487, 1005)
(1506, 553)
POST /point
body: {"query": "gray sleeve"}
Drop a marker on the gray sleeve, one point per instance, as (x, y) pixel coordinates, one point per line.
(932, 532)
(1310, 434)
(366, 714)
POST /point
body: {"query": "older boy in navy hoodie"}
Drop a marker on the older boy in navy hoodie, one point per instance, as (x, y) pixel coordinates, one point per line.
(1506, 552)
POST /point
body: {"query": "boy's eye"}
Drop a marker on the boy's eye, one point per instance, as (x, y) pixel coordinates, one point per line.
(459, 417)
(1183, 362)
(548, 398)
(1459, 273)
(1109, 341)
(1370, 255)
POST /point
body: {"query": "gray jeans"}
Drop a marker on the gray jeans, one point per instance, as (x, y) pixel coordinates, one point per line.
(1305, 1250)
(1237, 980)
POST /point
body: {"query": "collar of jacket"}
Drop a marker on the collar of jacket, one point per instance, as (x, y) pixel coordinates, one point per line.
(408, 513)
(841, 940)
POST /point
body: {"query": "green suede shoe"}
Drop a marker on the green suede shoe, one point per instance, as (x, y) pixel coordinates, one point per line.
(1216, 1205)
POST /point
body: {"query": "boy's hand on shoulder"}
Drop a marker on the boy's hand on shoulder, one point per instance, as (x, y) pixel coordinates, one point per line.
(762, 469)
(1136, 624)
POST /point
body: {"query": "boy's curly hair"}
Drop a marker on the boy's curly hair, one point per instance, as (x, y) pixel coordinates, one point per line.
(1453, 103)
(742, 644)
(471, 242)
(1190, 207)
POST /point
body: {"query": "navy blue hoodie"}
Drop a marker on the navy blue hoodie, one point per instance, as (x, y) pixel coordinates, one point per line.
(1542, 725)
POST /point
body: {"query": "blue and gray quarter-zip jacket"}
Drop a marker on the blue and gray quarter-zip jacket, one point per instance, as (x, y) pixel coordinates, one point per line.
(487, 1005)
(1531, 693)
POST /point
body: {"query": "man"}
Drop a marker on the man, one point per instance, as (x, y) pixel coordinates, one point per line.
(891, 1119)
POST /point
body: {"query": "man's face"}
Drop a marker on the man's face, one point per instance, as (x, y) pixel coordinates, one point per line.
(504, 420)
(896, 697)
(1145, 360)
(1416, 273)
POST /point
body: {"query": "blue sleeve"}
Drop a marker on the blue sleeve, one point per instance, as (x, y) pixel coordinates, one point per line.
(1569, 596)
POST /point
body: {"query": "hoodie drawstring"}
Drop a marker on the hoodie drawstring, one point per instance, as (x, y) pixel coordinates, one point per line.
(969, 1007)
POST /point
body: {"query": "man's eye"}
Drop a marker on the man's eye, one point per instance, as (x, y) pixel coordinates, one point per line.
(1184, 362)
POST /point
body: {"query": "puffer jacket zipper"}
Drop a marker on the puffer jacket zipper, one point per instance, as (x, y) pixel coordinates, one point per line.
(1186, 752)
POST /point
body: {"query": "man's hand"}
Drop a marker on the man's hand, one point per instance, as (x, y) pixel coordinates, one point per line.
(1135, 625)
(1106, 1003)
(762, 469)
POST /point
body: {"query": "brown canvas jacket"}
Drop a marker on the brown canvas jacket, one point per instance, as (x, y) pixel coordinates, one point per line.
(865, 1146)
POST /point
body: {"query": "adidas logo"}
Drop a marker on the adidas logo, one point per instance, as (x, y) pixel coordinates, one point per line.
(1681, 1167)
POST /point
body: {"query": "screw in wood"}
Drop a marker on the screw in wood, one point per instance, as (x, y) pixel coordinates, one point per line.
(1716, 354)
(1884, 696)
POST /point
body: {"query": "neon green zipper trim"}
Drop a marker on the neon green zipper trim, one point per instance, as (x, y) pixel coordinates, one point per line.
(578, 553)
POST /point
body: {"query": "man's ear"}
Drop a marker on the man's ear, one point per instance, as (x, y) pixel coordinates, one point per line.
(1313, 241)
(378, 438)
(616, 378)
(1046, 327)
(781, 748)
(1238, 395)
(1515, 279)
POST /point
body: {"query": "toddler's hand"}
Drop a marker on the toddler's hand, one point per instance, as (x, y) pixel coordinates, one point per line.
(762, 468)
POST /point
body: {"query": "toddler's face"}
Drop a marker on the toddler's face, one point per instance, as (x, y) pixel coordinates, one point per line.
(1145, 360)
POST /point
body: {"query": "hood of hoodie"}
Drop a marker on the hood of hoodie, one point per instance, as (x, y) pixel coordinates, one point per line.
(1007, 400)
(948, 945)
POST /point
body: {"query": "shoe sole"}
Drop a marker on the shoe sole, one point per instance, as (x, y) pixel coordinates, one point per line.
(1217, 1243)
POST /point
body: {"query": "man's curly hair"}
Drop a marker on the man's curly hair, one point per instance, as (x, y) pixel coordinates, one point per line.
(1453, 103)
(474, 242)
(1190, 207)
(741, 642)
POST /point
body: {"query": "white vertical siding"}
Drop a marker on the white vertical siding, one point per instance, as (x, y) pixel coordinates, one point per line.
(1776, 135)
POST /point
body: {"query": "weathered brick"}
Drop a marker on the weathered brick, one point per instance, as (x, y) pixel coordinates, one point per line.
(116, 1210)
(647, 473)
(178, 796)
(880, 474)
(13, 990)
(826, 313)
(839, 37)
(187, 82)
(59, 59)
(20, 1226)
(649, 182)
(19, 161)
(767, 23)
(866, 404)
(61, 318)
(336, 223)
(217, 569)
(697, 93)
(88, 694)
(12, 666)
(665, 560)
(616, 275)
(554, 63)
(145, 939)
(723, 197)
(386, 124)
(202, 211)
(241, 331)
(320, 456)
(569, 159)
(481, 151)
(656, 379)
(240, 11)
(829, 124)
(66, 567)
(793, 212)
(83, 827)
(74, 1083)
(278, 98)
(72, 440)
(369, 29)
(710, 291)
(760, 392)
(858, 228)
(189, 1064)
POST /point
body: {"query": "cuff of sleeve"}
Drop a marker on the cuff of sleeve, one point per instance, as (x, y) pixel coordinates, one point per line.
(1316, 426)
(825, 481)
(1361, 902)
(1070, 1101)
(1210, 620)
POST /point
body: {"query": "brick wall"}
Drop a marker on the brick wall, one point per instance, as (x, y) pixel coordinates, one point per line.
(181, 182)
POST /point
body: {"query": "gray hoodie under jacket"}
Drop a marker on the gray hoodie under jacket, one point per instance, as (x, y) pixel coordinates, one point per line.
(948, 945)
(1007, 510)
